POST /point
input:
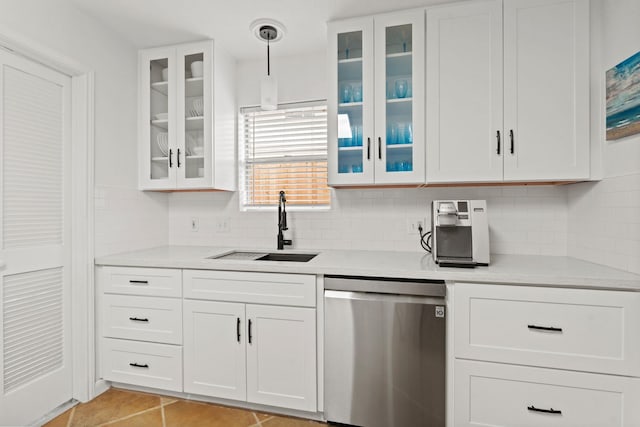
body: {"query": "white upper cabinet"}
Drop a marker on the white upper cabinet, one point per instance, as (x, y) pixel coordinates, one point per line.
(546, 80)
(464, 92)
(507, 91)
(187, 118)
(376, 100)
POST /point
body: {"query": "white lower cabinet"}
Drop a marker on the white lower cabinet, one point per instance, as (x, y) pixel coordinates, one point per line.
(500, 395)
(141, 325)
(142, 363)
(215, 349)
(281, 356)
(263, 354)
(544, 356)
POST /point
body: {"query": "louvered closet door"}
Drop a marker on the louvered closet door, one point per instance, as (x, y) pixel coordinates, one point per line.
(35, 332)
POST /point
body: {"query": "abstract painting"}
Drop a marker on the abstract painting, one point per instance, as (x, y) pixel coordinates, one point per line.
(623, 98)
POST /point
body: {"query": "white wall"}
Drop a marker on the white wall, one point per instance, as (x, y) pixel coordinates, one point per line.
(604, 217)
(125, 219)
(523, 220)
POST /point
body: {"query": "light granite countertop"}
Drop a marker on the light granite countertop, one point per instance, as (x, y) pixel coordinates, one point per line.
(507, 269)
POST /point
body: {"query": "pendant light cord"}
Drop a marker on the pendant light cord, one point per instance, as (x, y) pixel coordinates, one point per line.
(268, 56)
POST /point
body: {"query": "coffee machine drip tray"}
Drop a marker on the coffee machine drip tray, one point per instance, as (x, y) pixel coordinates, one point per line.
(457, 262)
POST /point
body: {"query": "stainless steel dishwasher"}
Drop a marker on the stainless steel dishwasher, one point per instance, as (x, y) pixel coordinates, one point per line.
(384, 352)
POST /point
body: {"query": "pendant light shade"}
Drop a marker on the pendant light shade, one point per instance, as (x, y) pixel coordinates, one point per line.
(269, 92)
(269, 31)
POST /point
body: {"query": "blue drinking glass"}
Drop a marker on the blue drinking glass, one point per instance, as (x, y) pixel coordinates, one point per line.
(357, 93)
(401, 88)
(408, 134)
(346, 93)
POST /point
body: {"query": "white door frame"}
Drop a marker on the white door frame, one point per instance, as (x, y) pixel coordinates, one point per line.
(82, 189)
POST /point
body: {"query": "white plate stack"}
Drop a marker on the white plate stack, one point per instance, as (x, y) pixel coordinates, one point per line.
(163, 143)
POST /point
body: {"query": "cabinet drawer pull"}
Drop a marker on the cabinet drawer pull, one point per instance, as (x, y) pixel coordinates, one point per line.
(368, 148)
(498, 145)
(250, 336)
(178, 157)
(544, 328)
(238, 329)
(170, 158)
(512, 140)
(137, 365)
(379, 148)
(546, 411)
(139, 282)
(139, 319)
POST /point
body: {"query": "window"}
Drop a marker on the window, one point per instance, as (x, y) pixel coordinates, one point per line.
(284, 149)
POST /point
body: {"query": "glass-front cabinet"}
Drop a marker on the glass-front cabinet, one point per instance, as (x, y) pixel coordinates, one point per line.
(376, 100)
(184, 144)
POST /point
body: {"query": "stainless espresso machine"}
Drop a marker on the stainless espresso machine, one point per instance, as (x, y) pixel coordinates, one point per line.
(460, 233)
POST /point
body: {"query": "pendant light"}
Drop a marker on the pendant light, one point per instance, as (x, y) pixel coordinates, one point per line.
(269, 31)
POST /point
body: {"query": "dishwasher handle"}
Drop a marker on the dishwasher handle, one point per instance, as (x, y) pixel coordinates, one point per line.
(384, 298)
(386, 286)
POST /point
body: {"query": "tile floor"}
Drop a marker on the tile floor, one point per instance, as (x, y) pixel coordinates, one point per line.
(124, 408)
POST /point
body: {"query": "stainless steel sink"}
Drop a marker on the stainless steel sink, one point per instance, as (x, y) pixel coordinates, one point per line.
(265, 256)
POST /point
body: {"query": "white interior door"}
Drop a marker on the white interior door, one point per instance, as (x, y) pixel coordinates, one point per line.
(35, 333)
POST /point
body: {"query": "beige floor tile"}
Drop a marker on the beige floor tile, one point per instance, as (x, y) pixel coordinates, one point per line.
(59, 421)
(277, 421)
(112, 405)
(167, 400)
(151, 418)
(193, 414)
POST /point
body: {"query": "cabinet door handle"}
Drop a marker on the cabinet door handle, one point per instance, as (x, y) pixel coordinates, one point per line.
(178, 157)
(546, 411)
(368, 148)
(139, 282)
(498, 138)
(250, 336)
(238, 329)
(137, 365)
(544, 328)
(139, 319)
(512, 140)
(379, 148)
(170, 158)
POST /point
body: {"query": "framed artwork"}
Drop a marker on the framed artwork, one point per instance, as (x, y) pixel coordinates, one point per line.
(623, 98)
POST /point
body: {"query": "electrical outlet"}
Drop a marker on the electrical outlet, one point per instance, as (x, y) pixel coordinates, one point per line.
(195, 224)
(414, 224)
(222, 225)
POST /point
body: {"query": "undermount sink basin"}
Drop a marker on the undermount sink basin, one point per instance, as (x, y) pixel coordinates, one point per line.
(265, 256)
(287, 257)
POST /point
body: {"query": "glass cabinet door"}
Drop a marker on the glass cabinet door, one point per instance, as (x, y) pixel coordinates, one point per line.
(400, 98)
(350, 103)
(192, 154)
(159, 146)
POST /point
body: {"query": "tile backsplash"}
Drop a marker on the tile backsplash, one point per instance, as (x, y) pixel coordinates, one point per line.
(127, 219)
(604, 224)
(522, 219)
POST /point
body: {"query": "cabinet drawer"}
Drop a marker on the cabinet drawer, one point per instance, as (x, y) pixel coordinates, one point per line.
(160, 282)
(142, 318)
(261, 288)
(142, 363)
(510, 396)
(586, 330)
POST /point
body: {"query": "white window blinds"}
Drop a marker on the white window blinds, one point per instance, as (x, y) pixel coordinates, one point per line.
(284, 149)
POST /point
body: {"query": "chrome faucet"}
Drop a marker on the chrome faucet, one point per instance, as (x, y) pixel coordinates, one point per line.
(282, 221)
